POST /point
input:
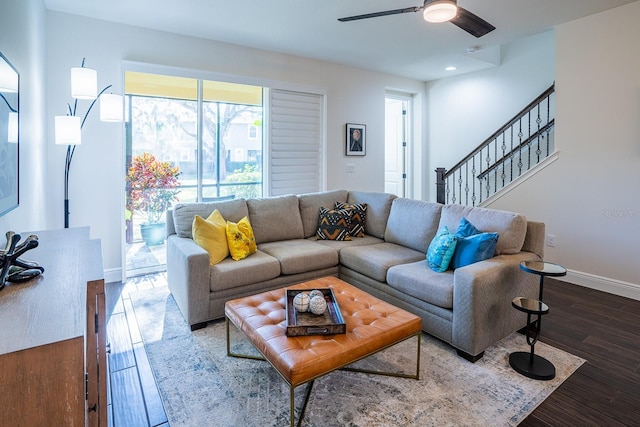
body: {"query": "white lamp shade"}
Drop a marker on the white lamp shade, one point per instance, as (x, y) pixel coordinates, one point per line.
(68, 130)
(440, 11)
(13, 127)
(8, 78)
(110, 107)
(84, 83)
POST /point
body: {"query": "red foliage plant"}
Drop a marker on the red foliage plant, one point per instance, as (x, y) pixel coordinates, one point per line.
(153, 186)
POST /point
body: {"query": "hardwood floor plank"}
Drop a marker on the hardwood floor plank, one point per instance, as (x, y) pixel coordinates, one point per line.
(153, 402)
(128, 402)
(121, 356)
(110, 414)
(134, 330)
(627, 356)
(113, 300)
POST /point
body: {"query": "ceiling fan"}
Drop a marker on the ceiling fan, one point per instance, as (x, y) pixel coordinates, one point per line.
(438, 11)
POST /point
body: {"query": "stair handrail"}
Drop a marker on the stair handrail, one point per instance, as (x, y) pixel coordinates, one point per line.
(497, 133)
(544, 129)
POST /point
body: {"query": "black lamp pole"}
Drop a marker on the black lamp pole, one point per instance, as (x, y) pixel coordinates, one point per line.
(13, 110)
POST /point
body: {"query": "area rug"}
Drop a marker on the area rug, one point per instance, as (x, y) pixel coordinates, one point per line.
(201, 386)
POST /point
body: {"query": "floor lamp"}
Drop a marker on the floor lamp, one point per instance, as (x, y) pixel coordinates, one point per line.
(68, 129)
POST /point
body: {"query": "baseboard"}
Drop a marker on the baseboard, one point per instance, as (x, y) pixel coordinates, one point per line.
(113, 275)
(612, 286)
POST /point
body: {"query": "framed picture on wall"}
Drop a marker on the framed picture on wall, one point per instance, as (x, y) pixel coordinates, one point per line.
(355, 144)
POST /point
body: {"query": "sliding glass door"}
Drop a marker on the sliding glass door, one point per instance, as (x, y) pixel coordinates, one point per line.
(187, 140)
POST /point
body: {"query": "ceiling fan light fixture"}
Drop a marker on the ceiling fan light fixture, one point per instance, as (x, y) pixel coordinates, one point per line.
(440, 10)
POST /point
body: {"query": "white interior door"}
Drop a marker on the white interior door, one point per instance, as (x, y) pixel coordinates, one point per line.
(396, 144)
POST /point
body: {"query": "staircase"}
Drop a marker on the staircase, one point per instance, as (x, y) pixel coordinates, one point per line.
(515, 148)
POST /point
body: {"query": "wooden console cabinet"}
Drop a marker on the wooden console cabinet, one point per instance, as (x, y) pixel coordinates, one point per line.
(53, 367)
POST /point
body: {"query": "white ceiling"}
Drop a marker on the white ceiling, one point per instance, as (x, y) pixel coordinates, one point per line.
(403, 45)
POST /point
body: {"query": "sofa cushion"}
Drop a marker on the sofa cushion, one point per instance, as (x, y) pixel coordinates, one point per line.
(441, 250)
(413, 223)
(300, 256)
(378, 208)
(211, 235)
(419, 281)
(257, 268)
(511, 227)
(240, 238)
(275, 218)
(310, 204)
(338, 245)
(183, 213)
(334, 224)
(358, 219)
(374, 260)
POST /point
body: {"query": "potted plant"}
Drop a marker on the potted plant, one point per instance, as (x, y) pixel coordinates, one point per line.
(153, 187)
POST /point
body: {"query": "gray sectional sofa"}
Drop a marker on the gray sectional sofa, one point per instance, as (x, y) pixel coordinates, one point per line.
(469, 307)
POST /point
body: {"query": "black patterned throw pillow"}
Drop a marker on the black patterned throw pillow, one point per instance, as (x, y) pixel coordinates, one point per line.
(358, 218)
(334, 224)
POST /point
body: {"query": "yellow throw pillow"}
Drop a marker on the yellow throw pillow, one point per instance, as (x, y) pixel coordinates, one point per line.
(211, 235)
(240, 238)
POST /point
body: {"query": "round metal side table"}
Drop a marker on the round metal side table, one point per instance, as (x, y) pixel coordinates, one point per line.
(530, 364)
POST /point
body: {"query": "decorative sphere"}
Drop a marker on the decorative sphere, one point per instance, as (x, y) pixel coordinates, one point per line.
(315, 292)
(301, 302)
(317, 305)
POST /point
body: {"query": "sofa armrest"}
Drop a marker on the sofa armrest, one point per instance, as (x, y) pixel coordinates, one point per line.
(482, 295)
(188, 278)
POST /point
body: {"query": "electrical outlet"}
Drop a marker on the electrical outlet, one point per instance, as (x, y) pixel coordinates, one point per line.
(551, 240)
(351, 168)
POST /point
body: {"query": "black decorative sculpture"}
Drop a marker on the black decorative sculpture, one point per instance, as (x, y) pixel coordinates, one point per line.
(14, 269)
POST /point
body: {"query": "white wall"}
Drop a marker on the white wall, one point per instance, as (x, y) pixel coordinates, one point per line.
(589, 197)
(96, 183)
(22, 32)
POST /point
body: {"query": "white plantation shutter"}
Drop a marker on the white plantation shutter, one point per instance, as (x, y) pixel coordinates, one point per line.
(295, 142)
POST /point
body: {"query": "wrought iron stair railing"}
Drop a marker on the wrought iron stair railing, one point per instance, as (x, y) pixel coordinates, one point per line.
(523, 142)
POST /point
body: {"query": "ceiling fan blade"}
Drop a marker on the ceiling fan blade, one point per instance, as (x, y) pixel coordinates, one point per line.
(385, 13)
(471, 23)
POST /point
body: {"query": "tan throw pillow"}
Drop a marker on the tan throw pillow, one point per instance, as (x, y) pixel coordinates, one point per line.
(211, 235)
(240, 238)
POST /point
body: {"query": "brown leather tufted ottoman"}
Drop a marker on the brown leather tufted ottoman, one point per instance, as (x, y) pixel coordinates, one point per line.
(372, 326)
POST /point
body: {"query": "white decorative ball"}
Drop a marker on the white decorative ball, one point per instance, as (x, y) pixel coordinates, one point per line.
(315, 292)
(317, 305)
(301, 302)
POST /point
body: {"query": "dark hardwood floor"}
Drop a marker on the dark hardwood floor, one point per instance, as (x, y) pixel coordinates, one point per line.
(602, 328)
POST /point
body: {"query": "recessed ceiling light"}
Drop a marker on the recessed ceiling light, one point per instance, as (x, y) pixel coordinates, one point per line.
(451, 68)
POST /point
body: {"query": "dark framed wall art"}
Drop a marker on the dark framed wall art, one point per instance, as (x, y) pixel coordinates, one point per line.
(9, 136)
(355, 144)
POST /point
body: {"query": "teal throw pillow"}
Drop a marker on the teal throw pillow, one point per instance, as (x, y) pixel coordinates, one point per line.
(474, 248)
(441, 250)
(466, 229)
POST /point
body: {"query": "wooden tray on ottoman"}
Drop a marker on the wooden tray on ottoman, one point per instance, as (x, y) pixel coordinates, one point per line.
(329, 323)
